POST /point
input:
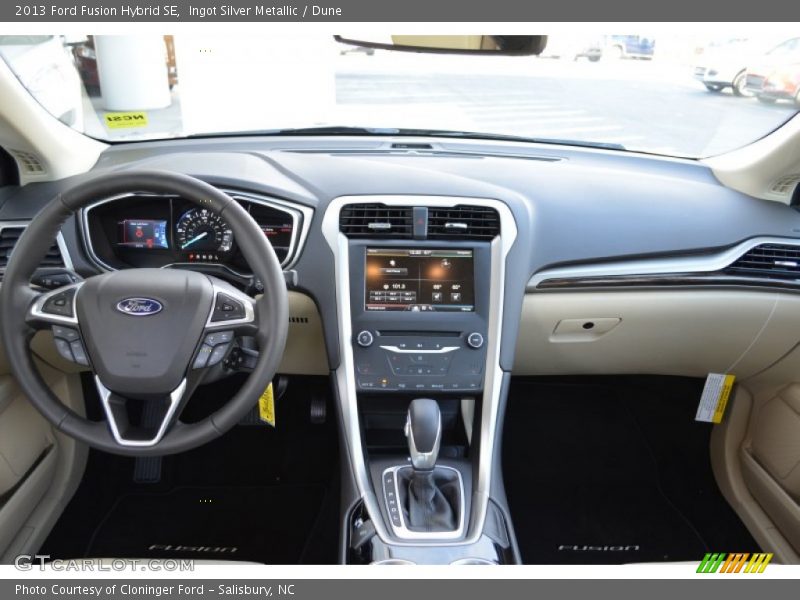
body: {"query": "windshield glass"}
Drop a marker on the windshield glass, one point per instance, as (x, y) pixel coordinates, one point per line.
(681, 96)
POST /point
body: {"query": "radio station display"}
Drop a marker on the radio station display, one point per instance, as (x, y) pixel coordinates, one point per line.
(419, 280)
(143, 233)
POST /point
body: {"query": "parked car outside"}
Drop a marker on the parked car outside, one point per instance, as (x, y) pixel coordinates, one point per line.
(629, 46)
(572, 48)
(724, 64)
(777, 75)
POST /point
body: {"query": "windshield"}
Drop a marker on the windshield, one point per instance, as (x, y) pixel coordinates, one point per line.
(679, 96)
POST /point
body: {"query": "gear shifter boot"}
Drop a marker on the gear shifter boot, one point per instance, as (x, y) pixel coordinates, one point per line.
(430, 500)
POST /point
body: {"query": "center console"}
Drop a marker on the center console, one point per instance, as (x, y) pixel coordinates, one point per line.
(420, 297)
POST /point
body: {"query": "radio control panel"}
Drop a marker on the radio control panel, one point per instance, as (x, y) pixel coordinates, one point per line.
(446, 363)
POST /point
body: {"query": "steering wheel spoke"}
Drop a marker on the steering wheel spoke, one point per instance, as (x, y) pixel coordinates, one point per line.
(155, 417)
(56, 307)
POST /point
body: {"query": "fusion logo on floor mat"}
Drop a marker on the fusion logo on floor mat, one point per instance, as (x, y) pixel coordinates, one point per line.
(180, 548)
(577, 548)
(734, 562)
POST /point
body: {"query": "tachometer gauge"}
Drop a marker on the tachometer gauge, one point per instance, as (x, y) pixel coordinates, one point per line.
(202, 230)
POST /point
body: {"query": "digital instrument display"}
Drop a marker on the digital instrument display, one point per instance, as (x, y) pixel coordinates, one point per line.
(278, 232)
(143, 233)
(419, 279)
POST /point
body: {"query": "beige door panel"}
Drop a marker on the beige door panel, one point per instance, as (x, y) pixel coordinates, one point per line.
(729, 455)
(40, 468)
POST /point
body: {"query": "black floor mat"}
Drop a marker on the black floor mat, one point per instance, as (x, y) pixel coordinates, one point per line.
(271, 493)
(266, 524)
(613, 470)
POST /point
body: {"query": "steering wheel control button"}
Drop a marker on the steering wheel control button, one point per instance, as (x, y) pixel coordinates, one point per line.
(65, 333)
(217, 354)
(365, 339)
(62, 346)
(202, 357)
(218, 337)
(79, 353)
(60, 304)
(227, 308)
(475, 340)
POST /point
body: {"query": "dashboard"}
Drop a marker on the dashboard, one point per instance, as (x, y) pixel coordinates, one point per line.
(148, 230)
(590, 225)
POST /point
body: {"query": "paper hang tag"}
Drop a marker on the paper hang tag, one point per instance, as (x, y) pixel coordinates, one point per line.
(266, 406)
(715, 396)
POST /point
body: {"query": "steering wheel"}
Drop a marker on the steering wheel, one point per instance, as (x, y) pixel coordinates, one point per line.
(148, 335)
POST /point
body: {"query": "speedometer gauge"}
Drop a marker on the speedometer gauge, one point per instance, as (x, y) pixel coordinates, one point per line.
(202, 230)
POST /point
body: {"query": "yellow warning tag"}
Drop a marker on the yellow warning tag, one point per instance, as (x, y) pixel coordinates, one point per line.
(266, 406)
(715, 397)
(124, 120)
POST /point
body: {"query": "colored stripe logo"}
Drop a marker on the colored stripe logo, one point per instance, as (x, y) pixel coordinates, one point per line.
(734, 562)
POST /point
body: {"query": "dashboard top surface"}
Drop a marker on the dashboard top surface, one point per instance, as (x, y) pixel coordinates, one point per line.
(576, 205)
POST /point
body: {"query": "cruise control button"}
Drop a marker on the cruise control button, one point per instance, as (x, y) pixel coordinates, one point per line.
(217, 354)
(62, 346)
(79, 353)
(227, 308)
(60, 304)
(202, 356)
(65, 333)
(218, 337)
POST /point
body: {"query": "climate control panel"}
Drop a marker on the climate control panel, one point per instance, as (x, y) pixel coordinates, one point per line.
(436, 362)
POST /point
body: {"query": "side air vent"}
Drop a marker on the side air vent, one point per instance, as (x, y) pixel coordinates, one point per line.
(376, 221)
(769, 260)
(463, 223)
(8, 239)
(28, 162)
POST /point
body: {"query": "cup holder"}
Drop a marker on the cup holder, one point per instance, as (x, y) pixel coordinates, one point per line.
(473, 561)
(393, 561)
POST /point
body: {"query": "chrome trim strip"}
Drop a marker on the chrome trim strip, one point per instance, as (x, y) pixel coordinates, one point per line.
(60, 242)
(345, 373)
(443, 350)
(174, 400)
(658, 266)
(36, 308)
(298, 213)
(403, 532)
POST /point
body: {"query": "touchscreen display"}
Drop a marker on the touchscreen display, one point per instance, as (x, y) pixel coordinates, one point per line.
(419, 279)
(143, 233)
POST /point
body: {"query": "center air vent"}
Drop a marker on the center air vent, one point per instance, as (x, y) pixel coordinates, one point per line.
(9, 236)
(376, 221)
(769, 260)
(463, 223)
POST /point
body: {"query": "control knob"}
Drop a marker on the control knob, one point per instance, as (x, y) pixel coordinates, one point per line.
(475, 340)
(365, 339)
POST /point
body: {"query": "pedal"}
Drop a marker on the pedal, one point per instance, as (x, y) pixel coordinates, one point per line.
(319, 410)
(147, 469)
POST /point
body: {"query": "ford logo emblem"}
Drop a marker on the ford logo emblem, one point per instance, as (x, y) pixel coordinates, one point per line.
(140, 307)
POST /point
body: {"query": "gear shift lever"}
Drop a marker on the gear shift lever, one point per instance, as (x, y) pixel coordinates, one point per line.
(429, 496)
(424, 433)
